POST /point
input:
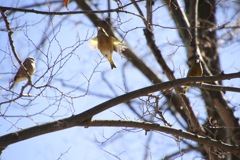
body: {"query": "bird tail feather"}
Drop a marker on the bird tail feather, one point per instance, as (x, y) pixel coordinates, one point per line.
(112, 65)
(185, 89)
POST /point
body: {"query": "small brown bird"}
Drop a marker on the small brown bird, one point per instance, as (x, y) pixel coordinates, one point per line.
(194, 71)
(21, 75)
(106, 44)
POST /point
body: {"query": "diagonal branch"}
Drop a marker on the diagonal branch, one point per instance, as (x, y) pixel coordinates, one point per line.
(134, 59)
(62, 124)
(10, 32)
(176, 132)
(87, 115)
(194, 124)
(213, 87)
(219, 101)
(180, 20)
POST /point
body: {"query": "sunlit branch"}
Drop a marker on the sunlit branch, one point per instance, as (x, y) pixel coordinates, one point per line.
(213, 87)
(194, 124)
(87, 115)
(143, 125)
(176, 132)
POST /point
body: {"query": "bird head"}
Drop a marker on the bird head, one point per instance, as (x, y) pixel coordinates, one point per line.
(197, 60)
(101, 31)
(31, 60)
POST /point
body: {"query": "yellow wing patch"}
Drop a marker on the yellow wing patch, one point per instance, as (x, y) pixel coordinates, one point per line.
(118, 46)
(93, 43)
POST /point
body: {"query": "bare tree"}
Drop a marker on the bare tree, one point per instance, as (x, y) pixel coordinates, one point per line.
(74, 86)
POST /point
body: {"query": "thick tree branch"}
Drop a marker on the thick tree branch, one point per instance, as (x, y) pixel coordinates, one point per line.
(213, 87)
(87, 115)
(134, 59)
(180, 20)
(194, 124)
(62, 124)
(176, 132)
(207, 47)
(193, 18)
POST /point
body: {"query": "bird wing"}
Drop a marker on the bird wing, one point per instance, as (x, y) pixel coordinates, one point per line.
(93, 43)
(118, 46)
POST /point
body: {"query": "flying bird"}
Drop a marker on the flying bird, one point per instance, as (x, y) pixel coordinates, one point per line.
(106, 44)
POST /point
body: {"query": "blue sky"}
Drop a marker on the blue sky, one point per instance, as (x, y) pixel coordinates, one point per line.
(88, 70)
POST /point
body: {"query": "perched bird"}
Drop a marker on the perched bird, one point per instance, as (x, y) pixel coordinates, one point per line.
(194, 71)
(106, 44)
(21, 75)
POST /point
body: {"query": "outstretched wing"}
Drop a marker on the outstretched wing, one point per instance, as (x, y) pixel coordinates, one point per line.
(118, 46)
(93, 43)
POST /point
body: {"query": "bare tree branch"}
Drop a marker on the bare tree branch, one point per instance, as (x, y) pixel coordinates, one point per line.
(87, 115)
